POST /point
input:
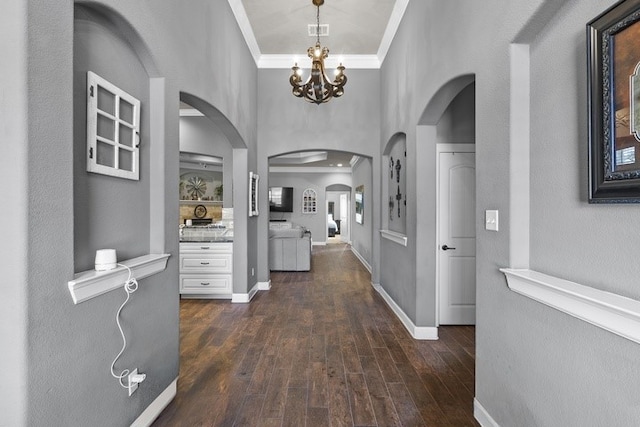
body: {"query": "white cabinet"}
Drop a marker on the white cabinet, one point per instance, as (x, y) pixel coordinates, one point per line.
(206, 270)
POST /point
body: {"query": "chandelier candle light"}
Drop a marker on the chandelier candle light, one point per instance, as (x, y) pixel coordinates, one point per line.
(318, 88)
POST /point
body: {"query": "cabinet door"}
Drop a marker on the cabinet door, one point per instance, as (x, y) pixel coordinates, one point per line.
(205, 284)
(206, 263)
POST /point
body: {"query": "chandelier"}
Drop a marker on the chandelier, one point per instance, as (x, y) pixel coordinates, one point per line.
(318, 88)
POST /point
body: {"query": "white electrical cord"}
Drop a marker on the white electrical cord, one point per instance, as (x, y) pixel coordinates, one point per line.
(130, 286)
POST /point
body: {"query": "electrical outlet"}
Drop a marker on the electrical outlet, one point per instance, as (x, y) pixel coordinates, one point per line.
(133, 385)
(253, 273)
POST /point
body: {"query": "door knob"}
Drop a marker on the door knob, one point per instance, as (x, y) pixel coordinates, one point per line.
(447, 248)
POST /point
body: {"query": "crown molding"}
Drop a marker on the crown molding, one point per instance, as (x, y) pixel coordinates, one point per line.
(285, 61)
(392, 27)
(353, 62)
(245, 27)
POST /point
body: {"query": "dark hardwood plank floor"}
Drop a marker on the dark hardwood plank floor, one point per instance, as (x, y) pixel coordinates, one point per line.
(321, 348)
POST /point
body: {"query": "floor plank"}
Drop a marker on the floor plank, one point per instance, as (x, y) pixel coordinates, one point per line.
(321, 348)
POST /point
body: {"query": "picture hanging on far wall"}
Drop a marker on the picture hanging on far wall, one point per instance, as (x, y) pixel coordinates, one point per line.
(253, 194)
(614, 104)
(360, 204)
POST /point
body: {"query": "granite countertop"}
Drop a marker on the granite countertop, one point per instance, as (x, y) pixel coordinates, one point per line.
(208, 234)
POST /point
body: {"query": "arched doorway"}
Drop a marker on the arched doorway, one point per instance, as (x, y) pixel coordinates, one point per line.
(447, 127)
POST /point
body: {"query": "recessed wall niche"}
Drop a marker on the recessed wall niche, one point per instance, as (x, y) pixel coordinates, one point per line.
(103, 205)
(394, 177)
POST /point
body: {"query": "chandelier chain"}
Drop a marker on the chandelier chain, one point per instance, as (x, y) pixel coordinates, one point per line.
(318, 23)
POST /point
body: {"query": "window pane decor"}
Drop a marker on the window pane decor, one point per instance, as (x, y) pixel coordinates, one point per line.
(113, 129)
(309, 201)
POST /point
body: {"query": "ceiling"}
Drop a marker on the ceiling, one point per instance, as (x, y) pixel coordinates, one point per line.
(313, 159)
(360, 31)
(277, 33)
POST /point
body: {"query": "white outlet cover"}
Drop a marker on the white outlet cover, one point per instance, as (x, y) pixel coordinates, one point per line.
(491, 220)
(133, 386)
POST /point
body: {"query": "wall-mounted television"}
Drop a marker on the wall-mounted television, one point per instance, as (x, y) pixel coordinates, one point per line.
(281, 199)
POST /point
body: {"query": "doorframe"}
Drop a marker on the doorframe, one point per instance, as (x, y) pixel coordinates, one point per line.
(445, 148)
(326, 226)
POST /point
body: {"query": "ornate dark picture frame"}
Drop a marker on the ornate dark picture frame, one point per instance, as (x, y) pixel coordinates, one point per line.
(613, 55)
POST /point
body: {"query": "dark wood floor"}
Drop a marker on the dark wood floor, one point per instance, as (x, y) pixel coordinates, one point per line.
(318, 349)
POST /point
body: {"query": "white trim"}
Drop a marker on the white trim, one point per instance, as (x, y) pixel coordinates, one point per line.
(318, 243)
(482, 416)
(398, 238)
(264, 286)
(392, 27)
(89, 284)
(519, 156)
(190, 112)
(157, 406)
(245, 298)
(614, 313)
(361, 258)
(353, 62)
(245, 27)
(417, 332)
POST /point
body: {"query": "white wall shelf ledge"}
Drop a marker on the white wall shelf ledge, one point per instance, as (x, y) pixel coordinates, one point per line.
(398, 238)
(614, 313)
(90, 284)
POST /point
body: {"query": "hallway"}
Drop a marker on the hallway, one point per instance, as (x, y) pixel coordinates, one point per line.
(319, 349)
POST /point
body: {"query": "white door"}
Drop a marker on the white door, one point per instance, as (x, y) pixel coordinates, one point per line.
(457, 239)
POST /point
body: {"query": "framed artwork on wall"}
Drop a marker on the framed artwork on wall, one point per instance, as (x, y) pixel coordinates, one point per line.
(253, 194)
(614, 104)
(360, 204)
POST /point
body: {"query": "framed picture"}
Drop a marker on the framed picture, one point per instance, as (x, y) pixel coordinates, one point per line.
(360, 204)
(614, 104)
(253, 194)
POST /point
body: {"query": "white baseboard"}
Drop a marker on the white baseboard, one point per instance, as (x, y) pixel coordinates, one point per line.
(157, 406)
(246, 298)
(361, 258)
(318, 243)
(482, 416)
(417, 332)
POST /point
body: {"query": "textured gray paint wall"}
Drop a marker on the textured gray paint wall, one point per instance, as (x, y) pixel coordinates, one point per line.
(535, 366)
(200, 135)
(62, 352)
(458, 123)
(362, 234)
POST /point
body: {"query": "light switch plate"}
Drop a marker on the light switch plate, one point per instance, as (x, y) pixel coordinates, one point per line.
(491, 220)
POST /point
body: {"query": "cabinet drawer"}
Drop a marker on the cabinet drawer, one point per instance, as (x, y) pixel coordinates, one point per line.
(206, 263)
(205, 284)
(212, 247)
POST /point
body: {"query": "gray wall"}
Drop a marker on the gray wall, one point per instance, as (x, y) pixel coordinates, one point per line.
(458, 122)
(60, 353)
(349, 123)
(201, 136)
(317, 223)
(362, 234)
(534, 366)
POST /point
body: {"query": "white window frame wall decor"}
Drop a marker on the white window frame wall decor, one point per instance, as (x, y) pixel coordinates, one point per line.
(122, 141)
(309, 201)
